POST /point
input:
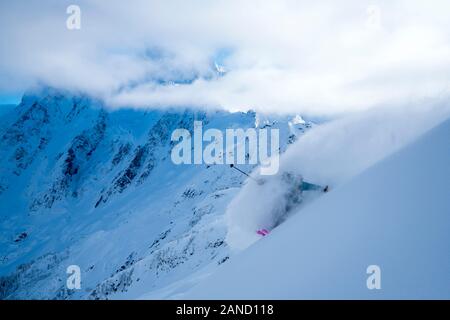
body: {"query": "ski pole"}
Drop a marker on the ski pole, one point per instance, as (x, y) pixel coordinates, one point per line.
(258, 181)
(233, 166)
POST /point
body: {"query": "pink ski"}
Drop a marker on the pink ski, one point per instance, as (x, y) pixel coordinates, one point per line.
(263, 232)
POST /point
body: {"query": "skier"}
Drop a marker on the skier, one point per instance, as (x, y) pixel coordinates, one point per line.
(295, 186)
(293, 197)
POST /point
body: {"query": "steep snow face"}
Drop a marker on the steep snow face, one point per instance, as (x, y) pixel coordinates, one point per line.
(327, 156)
(395, 215)
(84, 185)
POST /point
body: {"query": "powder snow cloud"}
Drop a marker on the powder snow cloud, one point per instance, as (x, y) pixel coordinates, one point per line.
(322, 58)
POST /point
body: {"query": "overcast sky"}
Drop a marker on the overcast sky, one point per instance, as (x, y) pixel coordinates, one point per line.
(316, 57)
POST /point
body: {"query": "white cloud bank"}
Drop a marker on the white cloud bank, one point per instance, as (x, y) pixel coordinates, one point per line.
(322, 57)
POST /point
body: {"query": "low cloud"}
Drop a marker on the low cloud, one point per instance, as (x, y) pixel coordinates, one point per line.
(322, 58)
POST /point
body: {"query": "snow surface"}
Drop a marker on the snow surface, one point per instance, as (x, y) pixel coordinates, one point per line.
(329, 155)
(395, 215)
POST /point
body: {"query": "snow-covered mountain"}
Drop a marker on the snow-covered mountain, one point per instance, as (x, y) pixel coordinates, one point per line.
(85, 185)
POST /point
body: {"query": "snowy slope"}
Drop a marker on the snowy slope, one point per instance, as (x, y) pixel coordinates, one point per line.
(82, 184)
(395, 215)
